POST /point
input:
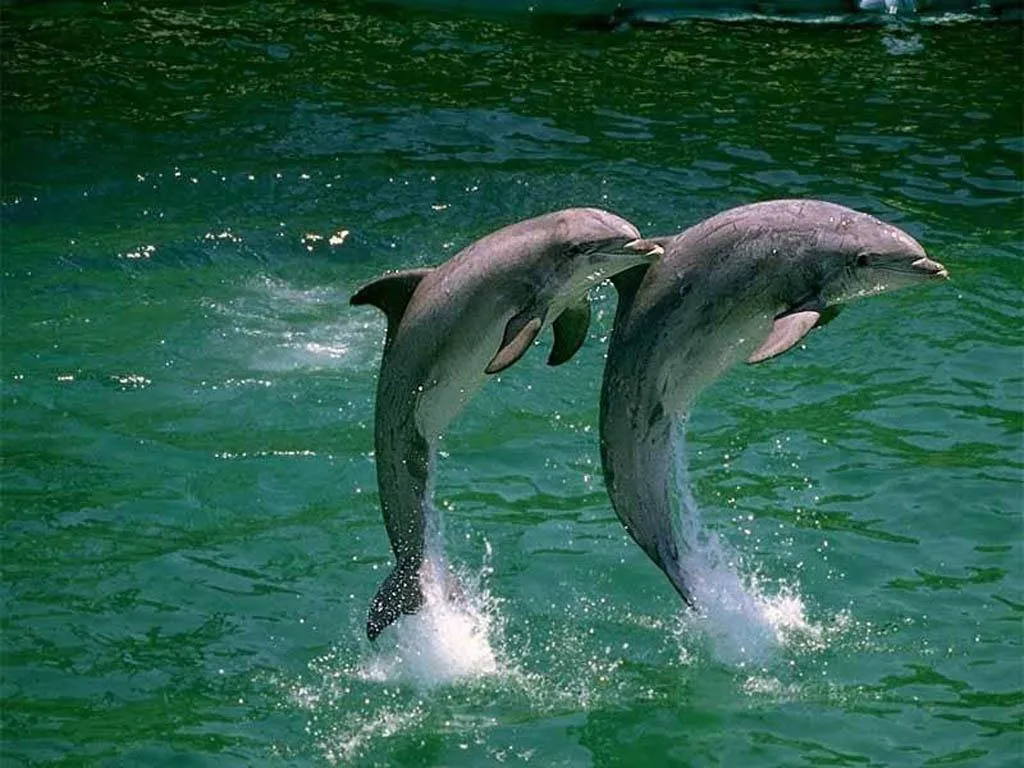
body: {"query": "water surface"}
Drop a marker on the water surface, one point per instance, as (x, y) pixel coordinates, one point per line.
(191, 533)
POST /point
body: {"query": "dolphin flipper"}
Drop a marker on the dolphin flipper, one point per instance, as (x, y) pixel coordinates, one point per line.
(786, 333)
(391, 295)
(519, 335)
(570, 329)
(400, 593)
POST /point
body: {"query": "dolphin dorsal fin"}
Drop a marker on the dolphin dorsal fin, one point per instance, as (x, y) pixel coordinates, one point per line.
(391, 294)
(626, 284)
(570, 329)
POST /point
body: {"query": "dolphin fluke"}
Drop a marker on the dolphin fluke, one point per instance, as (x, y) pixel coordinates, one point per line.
(399, 594)
(681, 584)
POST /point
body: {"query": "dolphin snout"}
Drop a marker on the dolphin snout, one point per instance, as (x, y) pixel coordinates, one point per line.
(651, 251)
(930, 268)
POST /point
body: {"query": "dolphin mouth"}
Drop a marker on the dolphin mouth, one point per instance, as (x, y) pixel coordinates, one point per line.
(930, 268)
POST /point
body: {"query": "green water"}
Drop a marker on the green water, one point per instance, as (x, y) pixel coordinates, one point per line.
(190, 524)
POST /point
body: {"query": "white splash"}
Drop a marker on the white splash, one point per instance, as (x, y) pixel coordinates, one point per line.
(361, 699)
(263, 328)
(747, 626)
(453, 635)
(448, 640)
(342, 746)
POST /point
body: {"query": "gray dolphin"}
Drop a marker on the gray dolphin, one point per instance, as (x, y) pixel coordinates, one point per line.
(450, 326)
(747, 284)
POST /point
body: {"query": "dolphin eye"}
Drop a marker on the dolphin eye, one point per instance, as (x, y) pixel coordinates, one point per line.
(865, 259)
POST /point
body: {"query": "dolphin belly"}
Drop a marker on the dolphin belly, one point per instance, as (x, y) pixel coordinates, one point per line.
(456, 374)
(637, 459)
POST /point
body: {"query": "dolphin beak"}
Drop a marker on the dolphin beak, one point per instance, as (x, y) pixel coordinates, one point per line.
(930, 268)
(652, 251)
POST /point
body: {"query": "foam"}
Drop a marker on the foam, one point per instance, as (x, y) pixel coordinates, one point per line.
(447, 641)
(442, 668)
(331, 337)
(746, 623)
(360, 700)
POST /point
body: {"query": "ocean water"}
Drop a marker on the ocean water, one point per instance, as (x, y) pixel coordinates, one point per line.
(191, 533)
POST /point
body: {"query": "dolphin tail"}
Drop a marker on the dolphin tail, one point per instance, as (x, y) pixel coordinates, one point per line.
(672, 567)
(399, 594)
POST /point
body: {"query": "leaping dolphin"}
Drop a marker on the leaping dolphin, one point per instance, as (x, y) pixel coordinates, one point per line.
(747, 284)
(450, 326)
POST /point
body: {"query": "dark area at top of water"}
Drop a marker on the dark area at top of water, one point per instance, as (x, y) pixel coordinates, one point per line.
(97, 96)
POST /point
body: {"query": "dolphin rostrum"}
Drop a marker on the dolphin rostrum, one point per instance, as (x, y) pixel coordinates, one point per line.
(747, 284)
(450, 326)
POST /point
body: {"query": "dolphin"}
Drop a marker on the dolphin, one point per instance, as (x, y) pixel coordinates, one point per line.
(747, 284)
(450, 326)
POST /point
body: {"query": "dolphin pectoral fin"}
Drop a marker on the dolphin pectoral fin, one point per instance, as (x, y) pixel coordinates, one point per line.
(786, 333)
(391, 294)
(518, 338)
(570, 330)
(400, 593)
